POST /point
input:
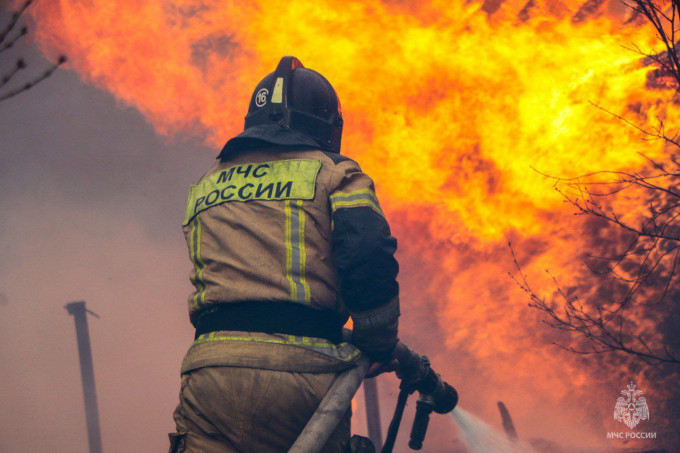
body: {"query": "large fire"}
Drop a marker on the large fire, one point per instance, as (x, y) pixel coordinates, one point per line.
(450, 106)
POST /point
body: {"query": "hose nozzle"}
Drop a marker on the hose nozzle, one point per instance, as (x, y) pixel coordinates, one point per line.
(415, 372)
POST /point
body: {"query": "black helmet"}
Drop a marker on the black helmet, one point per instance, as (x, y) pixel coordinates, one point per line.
(294, 106)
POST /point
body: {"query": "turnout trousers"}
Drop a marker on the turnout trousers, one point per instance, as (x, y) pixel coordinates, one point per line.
(226, 409)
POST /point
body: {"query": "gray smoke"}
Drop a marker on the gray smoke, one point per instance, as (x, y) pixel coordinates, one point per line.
(92, 203)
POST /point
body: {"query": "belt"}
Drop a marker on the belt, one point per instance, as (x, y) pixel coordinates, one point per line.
(288, 318)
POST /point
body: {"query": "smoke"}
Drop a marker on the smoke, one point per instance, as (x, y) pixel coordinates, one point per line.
(447, 110)
(92, 203)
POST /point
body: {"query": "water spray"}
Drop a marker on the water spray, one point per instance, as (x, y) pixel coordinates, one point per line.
(436, 396)
(479, 437)
(439, 397)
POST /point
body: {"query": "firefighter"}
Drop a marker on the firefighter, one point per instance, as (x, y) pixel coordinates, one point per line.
(288, 240)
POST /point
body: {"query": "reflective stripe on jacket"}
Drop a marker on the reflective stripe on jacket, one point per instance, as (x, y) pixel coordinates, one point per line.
(294, 226)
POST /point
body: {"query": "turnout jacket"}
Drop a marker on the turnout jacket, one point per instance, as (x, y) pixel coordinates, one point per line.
(293, 226)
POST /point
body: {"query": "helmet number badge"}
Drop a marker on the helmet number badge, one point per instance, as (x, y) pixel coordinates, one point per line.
(261, 97)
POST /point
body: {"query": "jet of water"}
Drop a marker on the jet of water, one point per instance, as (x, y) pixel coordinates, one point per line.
(482, 438)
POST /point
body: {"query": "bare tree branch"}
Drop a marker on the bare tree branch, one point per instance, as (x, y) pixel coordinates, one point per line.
(604, 329)
(10, 43)
(13, 21)
(641, 271)
(7, 42)
(28, 85)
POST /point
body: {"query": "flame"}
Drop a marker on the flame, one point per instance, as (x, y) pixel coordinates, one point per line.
(453, 108)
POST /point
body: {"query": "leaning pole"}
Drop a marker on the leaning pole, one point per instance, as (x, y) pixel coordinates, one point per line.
(79, 312)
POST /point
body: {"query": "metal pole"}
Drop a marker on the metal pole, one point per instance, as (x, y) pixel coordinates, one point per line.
(79, 312)
(373, 412)
(508, 425)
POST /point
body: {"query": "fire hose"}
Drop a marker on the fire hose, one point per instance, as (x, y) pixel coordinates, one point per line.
(415, 373)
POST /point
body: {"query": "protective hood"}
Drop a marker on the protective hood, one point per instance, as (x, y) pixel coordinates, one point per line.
(267, 134)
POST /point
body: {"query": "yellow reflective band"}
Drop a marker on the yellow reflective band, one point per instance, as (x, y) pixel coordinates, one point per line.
(199, 266)
(364, 197)
(338, 351)
(293, 179)
(367, 192)
(289, 252)
(303, 258)
(295, 251)
(351, 204)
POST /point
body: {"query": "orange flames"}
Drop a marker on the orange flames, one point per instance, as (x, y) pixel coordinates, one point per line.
(447, 105)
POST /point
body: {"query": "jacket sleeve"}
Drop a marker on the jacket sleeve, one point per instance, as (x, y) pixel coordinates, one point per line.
(363, 252)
